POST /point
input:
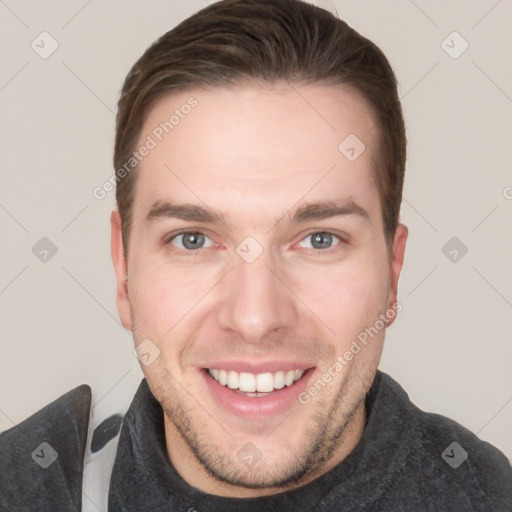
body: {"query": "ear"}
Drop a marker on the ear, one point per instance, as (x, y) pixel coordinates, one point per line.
(121, 269)
(397, 260)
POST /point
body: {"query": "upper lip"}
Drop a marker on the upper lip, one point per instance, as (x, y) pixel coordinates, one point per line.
(271, 366)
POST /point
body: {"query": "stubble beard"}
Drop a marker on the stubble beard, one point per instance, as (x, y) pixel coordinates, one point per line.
(305, 462)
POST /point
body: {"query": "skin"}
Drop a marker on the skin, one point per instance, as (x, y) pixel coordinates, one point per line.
(256, 153)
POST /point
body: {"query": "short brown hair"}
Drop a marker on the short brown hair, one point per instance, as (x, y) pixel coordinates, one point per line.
(233, 42)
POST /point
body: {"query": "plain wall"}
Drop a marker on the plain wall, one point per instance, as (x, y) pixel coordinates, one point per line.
(450, 347)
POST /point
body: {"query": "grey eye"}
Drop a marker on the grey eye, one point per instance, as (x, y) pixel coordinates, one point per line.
(321, 240)
(190, 240)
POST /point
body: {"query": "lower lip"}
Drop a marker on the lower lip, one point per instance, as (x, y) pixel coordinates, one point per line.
(275, 403)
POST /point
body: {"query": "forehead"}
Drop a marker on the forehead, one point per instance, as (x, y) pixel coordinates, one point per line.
(257, 146)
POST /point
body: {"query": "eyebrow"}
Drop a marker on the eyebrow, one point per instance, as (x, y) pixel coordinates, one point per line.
(307, 212)
(326, 209)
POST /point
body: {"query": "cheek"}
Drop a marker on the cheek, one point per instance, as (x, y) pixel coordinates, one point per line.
(158, 301)
(163, 295)
(157, 307)
(347, 298)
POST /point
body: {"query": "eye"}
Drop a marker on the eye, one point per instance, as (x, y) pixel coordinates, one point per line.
(321, 240)
(190, 240)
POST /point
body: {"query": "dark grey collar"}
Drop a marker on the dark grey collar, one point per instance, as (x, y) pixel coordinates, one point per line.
(42, 458)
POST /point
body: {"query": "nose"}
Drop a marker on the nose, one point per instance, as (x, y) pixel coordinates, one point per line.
(256, 300)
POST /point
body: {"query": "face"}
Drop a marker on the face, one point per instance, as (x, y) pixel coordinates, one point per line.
(256, 260)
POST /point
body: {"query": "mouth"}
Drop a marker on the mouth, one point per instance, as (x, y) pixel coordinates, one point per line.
(255, 385)
(257, 396)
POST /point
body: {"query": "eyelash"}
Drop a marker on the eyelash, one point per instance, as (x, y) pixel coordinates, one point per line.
(196, 252)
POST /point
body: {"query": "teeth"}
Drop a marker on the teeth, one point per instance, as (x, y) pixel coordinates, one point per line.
(247, 382)
(253, 384)
(265, 382)
(279, 380)
(232, 380)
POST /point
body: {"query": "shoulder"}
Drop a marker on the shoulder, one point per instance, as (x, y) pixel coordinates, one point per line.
(468, 463)
(47, 450)
(453, 466)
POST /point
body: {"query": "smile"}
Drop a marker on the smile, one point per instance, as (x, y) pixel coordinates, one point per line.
(254, 385)
(258, 390)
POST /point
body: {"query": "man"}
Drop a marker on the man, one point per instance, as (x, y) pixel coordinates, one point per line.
(259, 157)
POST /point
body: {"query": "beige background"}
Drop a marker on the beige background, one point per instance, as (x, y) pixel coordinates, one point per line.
(451, 346)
